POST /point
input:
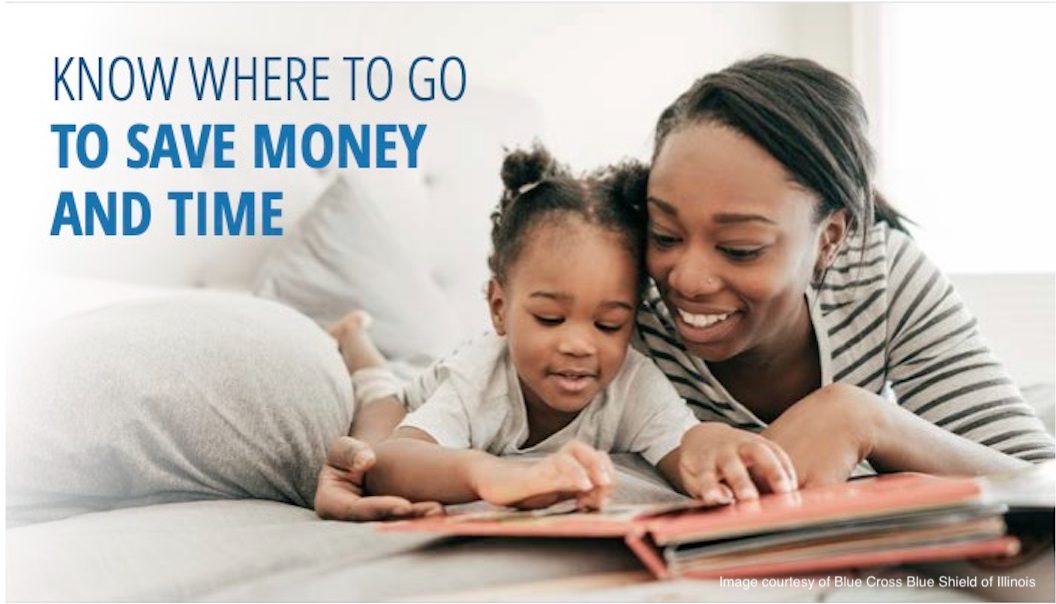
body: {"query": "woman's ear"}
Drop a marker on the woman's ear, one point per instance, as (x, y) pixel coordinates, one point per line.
(497, 305)
(831, 237)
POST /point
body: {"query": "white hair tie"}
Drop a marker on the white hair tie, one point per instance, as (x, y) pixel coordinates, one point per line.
(528, 187)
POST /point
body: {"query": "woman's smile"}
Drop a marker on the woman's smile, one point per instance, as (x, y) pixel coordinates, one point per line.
(705, 328)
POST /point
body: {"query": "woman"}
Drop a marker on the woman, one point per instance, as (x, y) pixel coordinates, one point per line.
(787, 300)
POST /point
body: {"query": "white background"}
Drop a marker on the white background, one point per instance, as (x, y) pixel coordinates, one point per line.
(961, 94)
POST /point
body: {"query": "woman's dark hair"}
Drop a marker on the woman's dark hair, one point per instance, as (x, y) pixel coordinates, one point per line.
(810, 119)
(538, 189)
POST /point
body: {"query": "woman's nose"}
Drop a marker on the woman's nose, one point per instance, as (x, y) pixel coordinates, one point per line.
(693, 279)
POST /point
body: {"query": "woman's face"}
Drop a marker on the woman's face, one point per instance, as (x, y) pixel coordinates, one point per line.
(732, 243)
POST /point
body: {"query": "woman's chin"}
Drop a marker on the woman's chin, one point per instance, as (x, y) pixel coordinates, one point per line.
(711, 353)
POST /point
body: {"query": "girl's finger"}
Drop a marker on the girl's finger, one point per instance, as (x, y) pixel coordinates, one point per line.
(596, 463)
(571, 476)
(707, 487)
(735, 474)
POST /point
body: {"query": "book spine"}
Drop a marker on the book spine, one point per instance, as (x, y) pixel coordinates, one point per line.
(642, 546)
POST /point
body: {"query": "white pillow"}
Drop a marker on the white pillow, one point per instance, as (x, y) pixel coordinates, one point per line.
(175, 398)
(344, 254)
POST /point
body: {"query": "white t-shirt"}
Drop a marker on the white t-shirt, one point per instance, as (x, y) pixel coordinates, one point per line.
(473, 400)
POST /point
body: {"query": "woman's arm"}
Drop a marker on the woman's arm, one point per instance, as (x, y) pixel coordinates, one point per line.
(942, 371)
(957, 410)
(827, 434)
(413, 466)
(906, 441)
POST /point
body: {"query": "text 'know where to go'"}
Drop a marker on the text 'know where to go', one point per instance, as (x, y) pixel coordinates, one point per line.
(266, 79)
(394, 145)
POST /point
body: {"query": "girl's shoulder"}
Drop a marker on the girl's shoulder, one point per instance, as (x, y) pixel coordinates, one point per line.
(483, 350)
(474, 360)
(638, 372)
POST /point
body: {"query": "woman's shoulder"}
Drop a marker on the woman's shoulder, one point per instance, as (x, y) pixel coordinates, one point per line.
(868, 263)
(862, 252)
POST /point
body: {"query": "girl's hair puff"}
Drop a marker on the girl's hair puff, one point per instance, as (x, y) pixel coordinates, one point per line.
(538, 190)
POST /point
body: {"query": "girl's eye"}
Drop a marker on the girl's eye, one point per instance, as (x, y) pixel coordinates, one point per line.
(549, 321)
(608, 328)
(661, 240)
(741, 254)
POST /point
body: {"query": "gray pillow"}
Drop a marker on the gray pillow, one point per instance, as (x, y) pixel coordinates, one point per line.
(344, 254)
(192, 396)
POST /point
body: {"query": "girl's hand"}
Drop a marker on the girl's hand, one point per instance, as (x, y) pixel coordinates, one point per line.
(829, 432)
(576, 470)
(339, 494)
(719, 463)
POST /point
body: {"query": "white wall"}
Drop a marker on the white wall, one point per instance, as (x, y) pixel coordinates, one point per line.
(601, 71)
(961, 97)
(600, 74)
(966, 127)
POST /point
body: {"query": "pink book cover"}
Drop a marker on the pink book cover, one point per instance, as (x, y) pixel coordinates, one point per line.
(648, 529)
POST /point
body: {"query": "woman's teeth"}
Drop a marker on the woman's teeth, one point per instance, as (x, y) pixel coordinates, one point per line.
(701, 320)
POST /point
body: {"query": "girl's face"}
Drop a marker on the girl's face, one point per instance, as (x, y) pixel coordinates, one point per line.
(732, 243)
(567, 309)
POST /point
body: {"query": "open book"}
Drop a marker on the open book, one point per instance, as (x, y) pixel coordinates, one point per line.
(887, 519)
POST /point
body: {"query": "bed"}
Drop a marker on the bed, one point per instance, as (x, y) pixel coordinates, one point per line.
(169, 403)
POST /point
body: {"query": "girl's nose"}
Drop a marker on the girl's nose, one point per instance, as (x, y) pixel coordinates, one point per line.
(577, 341)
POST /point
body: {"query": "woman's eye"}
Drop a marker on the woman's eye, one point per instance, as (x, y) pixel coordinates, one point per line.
(741, 254)
(662, 240)
(608, 327)
(549, 321)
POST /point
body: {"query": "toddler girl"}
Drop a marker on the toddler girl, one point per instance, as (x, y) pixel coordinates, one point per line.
(557, 376)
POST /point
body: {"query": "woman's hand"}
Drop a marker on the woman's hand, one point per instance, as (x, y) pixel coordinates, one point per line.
(719, 463)
(576, 470)
(339, 494)
(828, 432)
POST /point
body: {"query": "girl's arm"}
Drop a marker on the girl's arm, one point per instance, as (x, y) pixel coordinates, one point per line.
(339, 493)
(711, 461)
(375, 422)
(413, 466)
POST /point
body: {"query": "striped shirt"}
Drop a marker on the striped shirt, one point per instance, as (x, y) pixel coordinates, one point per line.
(887, 320)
